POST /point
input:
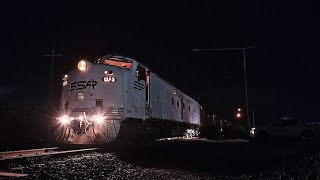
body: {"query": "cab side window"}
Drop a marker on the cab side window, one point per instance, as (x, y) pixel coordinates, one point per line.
(141, 73)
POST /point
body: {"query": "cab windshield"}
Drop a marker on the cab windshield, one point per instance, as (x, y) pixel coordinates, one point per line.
(119, 62)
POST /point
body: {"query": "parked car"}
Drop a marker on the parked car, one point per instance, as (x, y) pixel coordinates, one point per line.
(290, 128)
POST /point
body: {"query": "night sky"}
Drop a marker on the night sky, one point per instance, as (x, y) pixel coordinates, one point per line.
(282, 71)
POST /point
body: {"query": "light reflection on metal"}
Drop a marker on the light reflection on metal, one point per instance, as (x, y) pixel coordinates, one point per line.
(253, 132)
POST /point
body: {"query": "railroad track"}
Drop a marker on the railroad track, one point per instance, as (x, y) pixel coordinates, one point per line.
(26, 153)
(10, 160)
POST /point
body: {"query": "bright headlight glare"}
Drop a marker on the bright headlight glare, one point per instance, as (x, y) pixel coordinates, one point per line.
(64, 120)
(99, 119)
(82, 65)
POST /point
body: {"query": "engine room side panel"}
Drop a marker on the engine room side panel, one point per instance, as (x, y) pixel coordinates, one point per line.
(157, 97)
(169, 103)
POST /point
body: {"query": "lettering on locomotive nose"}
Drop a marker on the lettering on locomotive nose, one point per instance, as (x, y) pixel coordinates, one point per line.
(138, 86)
(82, 85)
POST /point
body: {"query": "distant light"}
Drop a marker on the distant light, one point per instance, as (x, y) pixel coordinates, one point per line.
(238, 115)
(82, 65)
(239, 109)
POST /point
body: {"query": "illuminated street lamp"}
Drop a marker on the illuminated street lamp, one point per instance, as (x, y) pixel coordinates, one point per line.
(238, 113)
(244, 72)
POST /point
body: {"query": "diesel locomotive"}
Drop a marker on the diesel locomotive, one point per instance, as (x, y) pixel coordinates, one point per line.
(118, 98)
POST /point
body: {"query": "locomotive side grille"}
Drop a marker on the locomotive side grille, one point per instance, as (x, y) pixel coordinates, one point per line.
(115, 113)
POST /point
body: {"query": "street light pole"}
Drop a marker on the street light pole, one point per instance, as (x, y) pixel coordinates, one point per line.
(52, 55)
(246, 89)
(245, 75)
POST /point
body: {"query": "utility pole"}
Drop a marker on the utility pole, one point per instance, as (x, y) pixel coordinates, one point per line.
(245, 76)
(52, 55)
(253, 125)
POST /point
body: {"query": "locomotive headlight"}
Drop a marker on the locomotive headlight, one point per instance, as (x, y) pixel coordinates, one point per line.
(82, 65)
(99, 119)
(81, 118)
(64, 119)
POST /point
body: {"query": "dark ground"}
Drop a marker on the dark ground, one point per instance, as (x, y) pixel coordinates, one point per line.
(217, 157)
(186, 159)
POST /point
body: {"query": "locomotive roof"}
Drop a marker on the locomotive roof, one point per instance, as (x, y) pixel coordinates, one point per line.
(122, 58)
